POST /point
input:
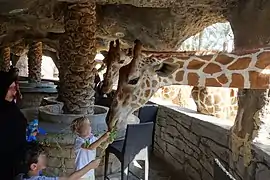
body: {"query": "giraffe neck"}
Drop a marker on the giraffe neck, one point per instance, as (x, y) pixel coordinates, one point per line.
(249, 71)
(162, 54)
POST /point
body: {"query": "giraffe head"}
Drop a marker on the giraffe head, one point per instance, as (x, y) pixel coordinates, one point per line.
(138, 81)
(114, 60)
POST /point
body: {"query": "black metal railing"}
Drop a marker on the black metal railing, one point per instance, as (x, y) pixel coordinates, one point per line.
(220, 172)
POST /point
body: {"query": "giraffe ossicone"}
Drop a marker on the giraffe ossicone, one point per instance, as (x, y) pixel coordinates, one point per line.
(114, 60)
(143, 76)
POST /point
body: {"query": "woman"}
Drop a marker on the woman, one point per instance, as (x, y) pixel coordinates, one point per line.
(12, 127)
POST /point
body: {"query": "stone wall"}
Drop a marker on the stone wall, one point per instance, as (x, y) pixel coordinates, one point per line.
(190, 141)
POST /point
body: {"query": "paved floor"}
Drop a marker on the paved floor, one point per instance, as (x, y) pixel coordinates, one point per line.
(157, 171)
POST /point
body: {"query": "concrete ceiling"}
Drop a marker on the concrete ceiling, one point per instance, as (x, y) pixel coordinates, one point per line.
(159, 24)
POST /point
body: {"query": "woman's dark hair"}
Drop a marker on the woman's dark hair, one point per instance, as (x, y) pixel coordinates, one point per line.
(32, 152)
(6, 79)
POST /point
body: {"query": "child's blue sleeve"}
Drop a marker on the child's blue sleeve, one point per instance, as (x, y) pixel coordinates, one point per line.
(44, 178)
(41, 131)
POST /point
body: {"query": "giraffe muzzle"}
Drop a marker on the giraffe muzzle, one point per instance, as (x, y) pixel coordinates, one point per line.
(106, 88)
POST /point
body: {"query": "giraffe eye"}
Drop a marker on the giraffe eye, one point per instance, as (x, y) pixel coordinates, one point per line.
(129, 51)
(133, 81)
(121, 61)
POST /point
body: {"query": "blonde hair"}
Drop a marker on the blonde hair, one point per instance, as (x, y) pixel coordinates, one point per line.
(77, 124)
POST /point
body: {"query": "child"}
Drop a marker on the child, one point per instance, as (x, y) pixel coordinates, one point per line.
(35, 161)
(85, 144)
(32, 131)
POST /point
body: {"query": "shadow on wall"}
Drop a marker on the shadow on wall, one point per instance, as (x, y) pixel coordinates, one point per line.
(48, 68)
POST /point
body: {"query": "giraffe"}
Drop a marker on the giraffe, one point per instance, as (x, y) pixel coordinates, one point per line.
(221, 103)
(142, 77)
(214, 101)
(116, 58)
(175, 94)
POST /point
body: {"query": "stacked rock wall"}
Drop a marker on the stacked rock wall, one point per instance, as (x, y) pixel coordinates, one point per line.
(190, 141)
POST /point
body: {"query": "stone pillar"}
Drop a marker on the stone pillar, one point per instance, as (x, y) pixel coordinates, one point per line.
(77, 53)
(34, 61)
(254, 105)
(5, 59)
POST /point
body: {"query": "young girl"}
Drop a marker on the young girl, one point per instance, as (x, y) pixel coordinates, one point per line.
(85, 145)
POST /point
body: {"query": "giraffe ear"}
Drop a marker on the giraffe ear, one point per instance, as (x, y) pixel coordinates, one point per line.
(105, 55)
(166, 69)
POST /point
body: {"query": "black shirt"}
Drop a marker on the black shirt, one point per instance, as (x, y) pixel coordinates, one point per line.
(13, 138)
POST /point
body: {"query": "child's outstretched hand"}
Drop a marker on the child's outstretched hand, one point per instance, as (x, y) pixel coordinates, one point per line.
(95, 163)
(106, 136)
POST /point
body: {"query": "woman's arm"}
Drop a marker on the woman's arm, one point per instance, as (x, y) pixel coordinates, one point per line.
(97, 143)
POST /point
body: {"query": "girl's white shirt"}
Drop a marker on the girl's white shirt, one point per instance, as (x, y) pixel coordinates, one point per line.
(83, 156)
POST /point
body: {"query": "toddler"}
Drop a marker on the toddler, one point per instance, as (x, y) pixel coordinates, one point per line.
(85, 144)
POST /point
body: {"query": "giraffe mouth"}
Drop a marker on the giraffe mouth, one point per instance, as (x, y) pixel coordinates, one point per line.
(112, 119)
(106, 88)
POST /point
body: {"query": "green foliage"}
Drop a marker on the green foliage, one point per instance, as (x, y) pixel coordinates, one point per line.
(113, 135)
(87, 143)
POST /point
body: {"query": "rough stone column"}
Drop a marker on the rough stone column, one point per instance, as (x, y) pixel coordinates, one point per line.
(254, 105)
(5, 59)
(77, 53)
(34, 61)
